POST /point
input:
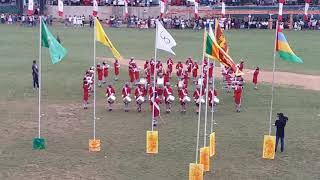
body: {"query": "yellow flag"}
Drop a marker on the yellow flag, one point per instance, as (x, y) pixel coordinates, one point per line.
(212, 144)
(102, 37)
(269, 143)
(205, 158)
(195, 171)
(152, 142)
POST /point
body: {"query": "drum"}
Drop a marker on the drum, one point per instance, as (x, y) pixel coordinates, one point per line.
(186, 99)
(140, 99)
(170, 98)
(160, 82)
(180, 84)
(127, 99)
(200, 81)
(111, 98)
(143, 81)
(200, 100)
(216, 100)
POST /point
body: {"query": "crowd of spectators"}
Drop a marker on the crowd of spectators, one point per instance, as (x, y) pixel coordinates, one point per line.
(169, 23)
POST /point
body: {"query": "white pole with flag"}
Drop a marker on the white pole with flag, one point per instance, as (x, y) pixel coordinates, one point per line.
(39, 79)
(213, 88)
(153, 98)
(206, 111)
(94, 80)
(201, 86)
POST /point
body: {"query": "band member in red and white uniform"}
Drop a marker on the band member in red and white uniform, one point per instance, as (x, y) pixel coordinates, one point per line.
(195, 68)
(160, 85)
(179, 68)
(139, 94)
(132, 66)
(159, 67)
(241, 65)
(155, 108)
(152, 66)
(100, 74)
(146, 66)
(166, 77)
(255, 77)
(185, 76)
(189, 64)
(213, 99)
(183, 98)
(116, 67)
(198, 98)
(85, 94)
(237, 97)
(210, 71)
(170, 66)
(205, 63)
(168, 97)
(111, 96)
(126, 93)
(105, 67)
(148, 76)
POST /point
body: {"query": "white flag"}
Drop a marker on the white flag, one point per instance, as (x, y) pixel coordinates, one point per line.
(164, 40)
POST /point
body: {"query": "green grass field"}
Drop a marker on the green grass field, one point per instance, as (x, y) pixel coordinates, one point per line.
(67, 127)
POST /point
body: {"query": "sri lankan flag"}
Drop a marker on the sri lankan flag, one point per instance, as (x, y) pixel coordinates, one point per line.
(220, 38)
(214, 51)
(102, 37)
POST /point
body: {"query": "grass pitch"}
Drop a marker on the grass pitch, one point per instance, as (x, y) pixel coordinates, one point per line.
(67, 127)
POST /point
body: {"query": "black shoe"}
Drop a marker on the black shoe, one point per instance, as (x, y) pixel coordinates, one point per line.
(110, 109)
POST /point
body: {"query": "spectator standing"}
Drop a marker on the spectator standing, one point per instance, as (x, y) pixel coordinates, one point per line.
(35, 75)
(280, 124)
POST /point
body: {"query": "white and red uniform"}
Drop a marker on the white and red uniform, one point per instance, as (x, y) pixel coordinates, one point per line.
(139, 91)
(152, 66)
(170, 65)
(156, 105)
(237, 95)
(179, 68)
(159, 67)
(132, 70)
(105, 71)
(151, 90)
(185, 79)
(116, 67)
(167, 92)
(189, 64)
(195, 68)
(166, 77)
(241, 66)
(110, 91)
(85, 92)
(255, 76)
(197, 96)
(210, 71)
(146, 67)
(211, 95)
(100, 72)
(148, 74)
(126, 91)
(183, 92)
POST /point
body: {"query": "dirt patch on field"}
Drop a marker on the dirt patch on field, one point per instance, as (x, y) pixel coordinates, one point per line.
(303, 81)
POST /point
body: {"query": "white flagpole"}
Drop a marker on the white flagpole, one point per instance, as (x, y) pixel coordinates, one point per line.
(94, 80)
(39, 78)
(206, 111)
(213, 88)
(272, 87)
(199, 116)
(154, 75)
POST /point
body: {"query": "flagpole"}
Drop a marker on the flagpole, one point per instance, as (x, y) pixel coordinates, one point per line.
(154, 76)
(272, 87)
(213, 88)
(94, 79)
(206, 111)
(199, 116)
(39, 79)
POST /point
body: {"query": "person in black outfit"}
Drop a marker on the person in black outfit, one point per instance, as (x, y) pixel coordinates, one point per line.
(280, 124)
(35, 74)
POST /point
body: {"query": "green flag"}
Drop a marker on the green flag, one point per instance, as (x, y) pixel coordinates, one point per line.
(56, 50)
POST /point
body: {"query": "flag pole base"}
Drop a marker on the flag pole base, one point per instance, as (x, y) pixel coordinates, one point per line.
(38, 143)
(94, 145)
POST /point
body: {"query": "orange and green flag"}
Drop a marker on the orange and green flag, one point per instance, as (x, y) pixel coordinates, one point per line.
(214, 51)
